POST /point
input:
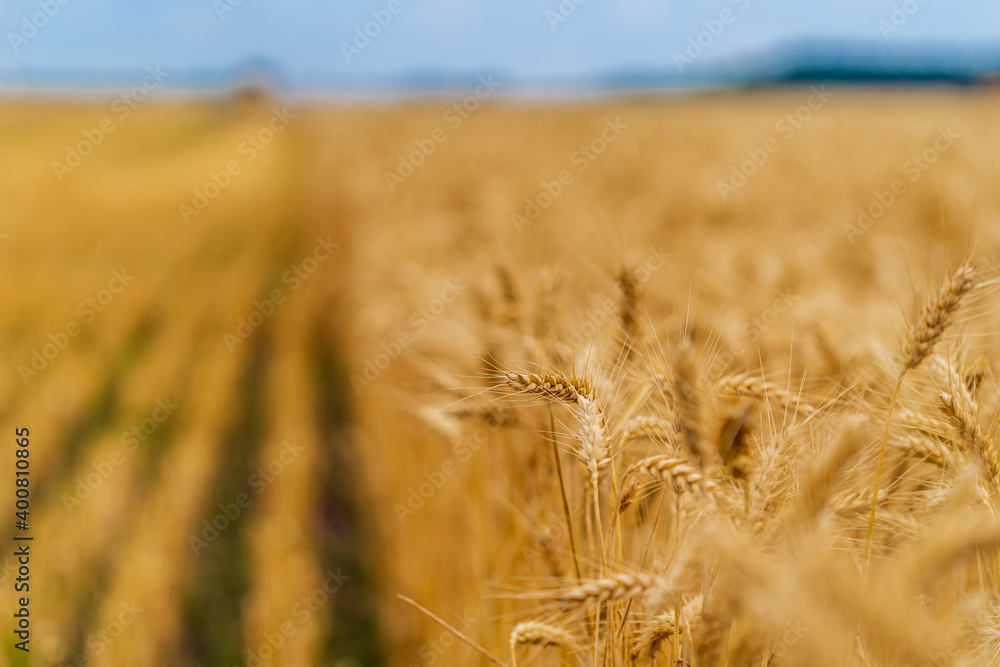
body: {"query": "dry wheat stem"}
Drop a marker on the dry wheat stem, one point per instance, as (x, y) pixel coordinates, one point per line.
(817, 486)
(594, 446)
(562, 493)
(876, 487)
(921, 340)
(637, 400)
(594, 453)
(437, 619)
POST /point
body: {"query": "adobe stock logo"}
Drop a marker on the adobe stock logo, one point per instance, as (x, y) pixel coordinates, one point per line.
(901, 15)
(101, 471)
(418, 321)
(454, 116)
(914, 168)
(713, 29)
(562, 13)
(294, 277)
(258, 482)
(88, 310)
(581, 159)
(248, 150)
(122, 108)
(786, 127)
(31, 25)
(372, 29)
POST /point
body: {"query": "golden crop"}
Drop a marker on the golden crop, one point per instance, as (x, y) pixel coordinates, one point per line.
(606, 384)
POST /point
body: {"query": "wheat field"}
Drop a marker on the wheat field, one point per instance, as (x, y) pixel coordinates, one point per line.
(605, 384)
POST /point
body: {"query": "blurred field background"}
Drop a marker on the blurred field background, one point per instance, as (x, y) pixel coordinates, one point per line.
(334, 505)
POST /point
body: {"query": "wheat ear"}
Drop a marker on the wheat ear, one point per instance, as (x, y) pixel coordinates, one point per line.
(686, 406)
(926, 332)
(923, 447)
(682, 476)
(613, 587)
(556, 387)
(629, 287)
(648, 427)
(923, 335)
(538, 634)
(594, 446)
(664, 626)
(960, 409)
(743, 384)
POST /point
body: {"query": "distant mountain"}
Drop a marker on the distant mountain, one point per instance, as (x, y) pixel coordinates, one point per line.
(825, 61)
(798, 62)
(867, 62)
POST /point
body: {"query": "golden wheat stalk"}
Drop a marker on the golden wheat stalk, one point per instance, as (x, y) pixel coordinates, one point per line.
(923, 335)
(535, 633)
(744, 384)
(556, 387)
(649, 427)
(629, 492)
(816, 487)
(653, 633)
(938, 312)
(629, 286)
(619, 586)
(918, 421)
(855, 502)
(960, 409)
(928, 449)
(686, 407)
(663, 626)
(594, 445)
(681, 476)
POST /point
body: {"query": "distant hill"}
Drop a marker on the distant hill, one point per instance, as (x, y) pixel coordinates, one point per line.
(866, 62)
(831, 61)
(797, 62)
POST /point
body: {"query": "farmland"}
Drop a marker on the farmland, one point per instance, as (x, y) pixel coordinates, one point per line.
(268, 376)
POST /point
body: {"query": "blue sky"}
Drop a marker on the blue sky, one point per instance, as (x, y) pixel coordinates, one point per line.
(513, 36)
